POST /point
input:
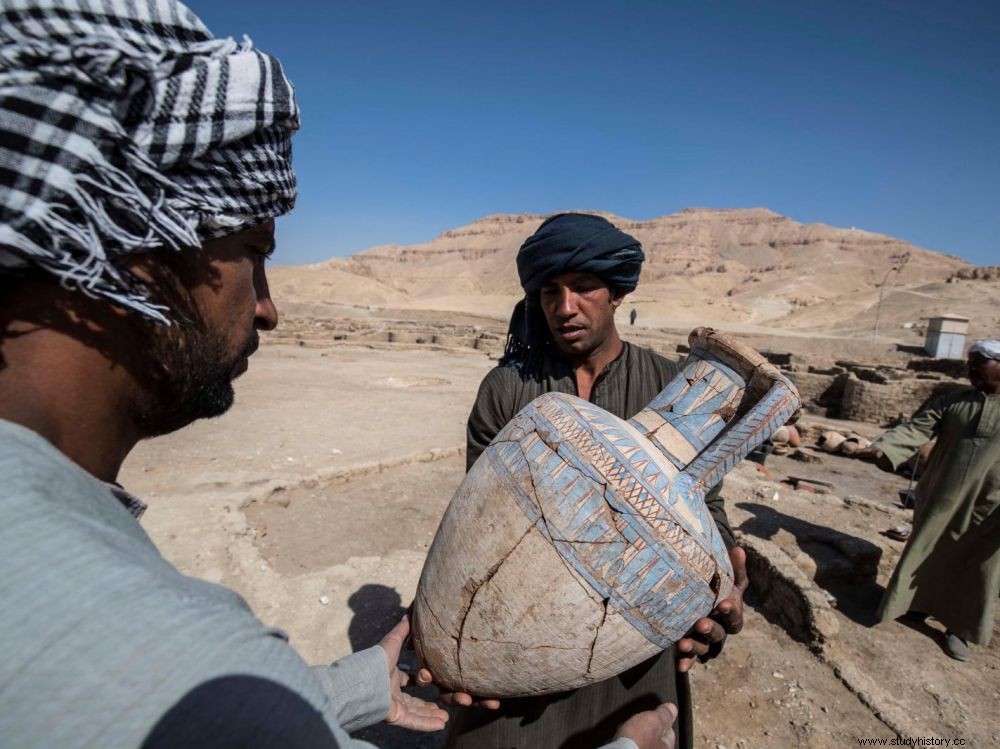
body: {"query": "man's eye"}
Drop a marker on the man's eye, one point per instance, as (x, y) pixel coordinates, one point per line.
(262, 254)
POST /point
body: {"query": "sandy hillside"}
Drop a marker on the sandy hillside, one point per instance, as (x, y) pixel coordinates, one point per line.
(749, 268)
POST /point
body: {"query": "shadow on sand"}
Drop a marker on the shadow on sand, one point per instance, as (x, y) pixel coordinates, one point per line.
(377, 609)
(845, 566)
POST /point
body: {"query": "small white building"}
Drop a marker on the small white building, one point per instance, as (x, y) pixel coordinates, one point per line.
(946, 336)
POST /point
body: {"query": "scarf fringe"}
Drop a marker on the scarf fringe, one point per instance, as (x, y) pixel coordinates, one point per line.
(131, 81)
(527, 339)
(103, 207)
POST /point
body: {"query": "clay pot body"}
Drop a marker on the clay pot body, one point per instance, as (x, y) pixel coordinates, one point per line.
(579, 544)
(831, 441)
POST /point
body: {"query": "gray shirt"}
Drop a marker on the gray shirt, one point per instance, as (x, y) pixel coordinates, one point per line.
(103, 643)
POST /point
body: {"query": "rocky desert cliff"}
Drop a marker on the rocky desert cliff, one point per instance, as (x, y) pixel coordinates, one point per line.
(749, 268)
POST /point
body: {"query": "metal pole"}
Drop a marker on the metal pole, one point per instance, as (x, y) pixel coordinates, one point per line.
(878, 307)
(901, 261)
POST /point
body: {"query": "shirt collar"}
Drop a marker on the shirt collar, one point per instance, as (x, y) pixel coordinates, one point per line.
(555, 365)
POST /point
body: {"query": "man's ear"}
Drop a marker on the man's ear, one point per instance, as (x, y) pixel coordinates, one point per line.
(617, 297)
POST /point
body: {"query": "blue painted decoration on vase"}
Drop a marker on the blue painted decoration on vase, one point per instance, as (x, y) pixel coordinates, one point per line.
(580, 544)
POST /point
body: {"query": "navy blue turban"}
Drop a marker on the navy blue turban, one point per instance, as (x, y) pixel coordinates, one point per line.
(565, 242)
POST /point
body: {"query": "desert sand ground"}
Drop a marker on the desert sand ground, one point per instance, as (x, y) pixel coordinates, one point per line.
(318, 495)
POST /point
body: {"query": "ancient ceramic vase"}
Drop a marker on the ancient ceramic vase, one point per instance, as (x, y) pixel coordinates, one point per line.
(579, 544)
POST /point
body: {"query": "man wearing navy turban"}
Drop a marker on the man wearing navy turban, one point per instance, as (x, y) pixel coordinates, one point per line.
(575, 271)
(567, 243)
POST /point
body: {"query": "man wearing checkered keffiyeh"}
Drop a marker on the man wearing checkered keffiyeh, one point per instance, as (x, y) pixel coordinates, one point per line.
(141, 164)
(126, 127)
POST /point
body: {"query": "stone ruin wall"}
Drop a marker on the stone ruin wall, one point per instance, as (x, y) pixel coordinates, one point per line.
(811, 386)
(872, 393)
(843, 395)
(893, 402)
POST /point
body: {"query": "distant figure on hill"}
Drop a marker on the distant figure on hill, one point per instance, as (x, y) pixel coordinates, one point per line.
(950, 568)
(632, 315)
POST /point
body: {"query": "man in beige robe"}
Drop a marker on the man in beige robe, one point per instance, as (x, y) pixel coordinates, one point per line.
(950, 568)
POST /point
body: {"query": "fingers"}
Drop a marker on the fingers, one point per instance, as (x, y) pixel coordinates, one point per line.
(738, 557)
(467, 700)
(425, 678)
(688, 650)
(668, 714)
(707, 636)
(685, 663)
(689, 647)
(669, 710)
(456, 698)
(731, 616)
(393, 641)
(417, 715)
(652, 728)
(704, 641)
(704, 632)
(729, 612)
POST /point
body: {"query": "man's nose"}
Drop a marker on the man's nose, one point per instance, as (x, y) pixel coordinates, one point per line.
(567, 303)
(265, 314)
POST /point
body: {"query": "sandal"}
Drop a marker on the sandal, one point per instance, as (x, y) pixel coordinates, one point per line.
(956, 647)
(899, 533)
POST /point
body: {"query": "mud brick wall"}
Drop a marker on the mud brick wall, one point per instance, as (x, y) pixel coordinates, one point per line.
(881, 404)
(811, 386)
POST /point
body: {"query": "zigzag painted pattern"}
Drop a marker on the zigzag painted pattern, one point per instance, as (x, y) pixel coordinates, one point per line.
(620, 479)
(774, 408)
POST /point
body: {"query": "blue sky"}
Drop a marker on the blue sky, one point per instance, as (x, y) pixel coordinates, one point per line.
(422, 116)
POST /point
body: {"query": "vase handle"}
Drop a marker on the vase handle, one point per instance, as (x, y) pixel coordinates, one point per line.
(769, 401)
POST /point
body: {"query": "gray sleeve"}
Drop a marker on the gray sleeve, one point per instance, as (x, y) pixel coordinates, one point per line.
(358, 687)
(144, 656)
(258, 693)
(274, 700)
(246, 711)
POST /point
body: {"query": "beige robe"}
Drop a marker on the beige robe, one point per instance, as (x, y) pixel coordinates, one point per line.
(950, 567)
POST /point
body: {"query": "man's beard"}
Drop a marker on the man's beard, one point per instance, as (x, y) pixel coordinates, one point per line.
(191, 379)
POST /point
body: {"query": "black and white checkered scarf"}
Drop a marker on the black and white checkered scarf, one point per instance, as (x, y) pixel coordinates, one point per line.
(125, 126)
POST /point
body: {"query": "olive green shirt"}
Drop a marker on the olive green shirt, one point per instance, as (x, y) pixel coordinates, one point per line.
(950, 567)
(624, 388)
(587, 717)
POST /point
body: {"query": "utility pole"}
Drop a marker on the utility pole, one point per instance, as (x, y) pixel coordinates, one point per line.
(899, 262)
